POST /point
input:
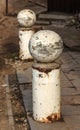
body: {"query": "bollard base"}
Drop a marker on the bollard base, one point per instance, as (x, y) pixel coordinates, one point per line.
(46, 92)
(50, 119)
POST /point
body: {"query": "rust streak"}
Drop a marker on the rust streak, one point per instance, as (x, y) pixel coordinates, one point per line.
(54, 117)
(45, 70)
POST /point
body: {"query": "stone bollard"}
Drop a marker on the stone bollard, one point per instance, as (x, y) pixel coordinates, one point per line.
(45, 47)
(26, 19)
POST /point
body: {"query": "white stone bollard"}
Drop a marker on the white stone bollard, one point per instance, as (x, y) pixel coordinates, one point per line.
(46, 46)
(26, 19)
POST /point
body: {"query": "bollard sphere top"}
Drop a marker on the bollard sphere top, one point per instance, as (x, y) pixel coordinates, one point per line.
(45, 46)
(26, 18)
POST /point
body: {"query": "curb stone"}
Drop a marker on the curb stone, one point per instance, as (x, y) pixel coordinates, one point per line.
(9, 106)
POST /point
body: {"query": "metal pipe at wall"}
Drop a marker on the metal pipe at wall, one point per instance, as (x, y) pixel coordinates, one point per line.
(6, 7)
(46, 92)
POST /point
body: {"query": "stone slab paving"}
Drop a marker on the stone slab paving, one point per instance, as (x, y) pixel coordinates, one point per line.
(70, 94)
(76, 83)
(42, 126)
(24, 76)
(70, 35)
(72, 120)
(58, 22)
(42, 22)
(70, 110)
(71, 100)
(27, 98)
(69, 91)
(54, 16)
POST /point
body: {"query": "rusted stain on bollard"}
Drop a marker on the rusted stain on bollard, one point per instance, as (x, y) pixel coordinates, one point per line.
(47, 69)
(52, 118)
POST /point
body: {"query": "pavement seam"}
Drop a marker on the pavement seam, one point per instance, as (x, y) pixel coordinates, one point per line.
(28, 124)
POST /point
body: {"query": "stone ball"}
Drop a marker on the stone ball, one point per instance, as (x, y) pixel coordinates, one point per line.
(26, 18)
(45, 46)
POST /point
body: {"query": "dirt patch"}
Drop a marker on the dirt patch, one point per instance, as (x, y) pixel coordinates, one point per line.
(4, 69)
(19, 113)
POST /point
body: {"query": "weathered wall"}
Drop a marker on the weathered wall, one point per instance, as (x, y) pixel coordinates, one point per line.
(2, 5)
(13, 5)
(17, 5)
